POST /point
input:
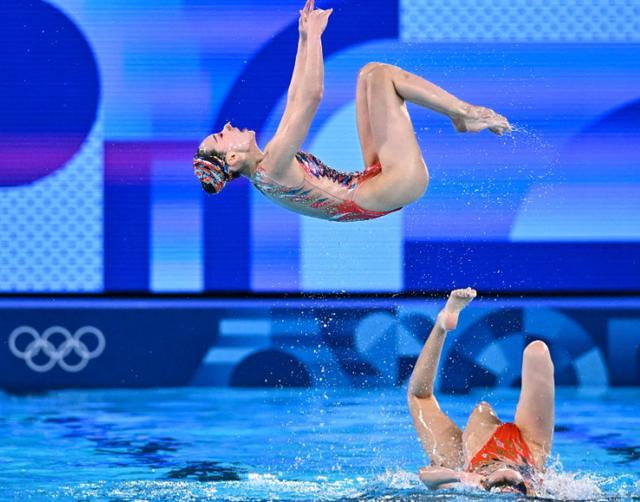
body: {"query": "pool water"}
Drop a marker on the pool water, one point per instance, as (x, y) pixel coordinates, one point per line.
(331, 444)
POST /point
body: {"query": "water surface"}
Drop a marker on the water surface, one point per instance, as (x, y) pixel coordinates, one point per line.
(333, 444)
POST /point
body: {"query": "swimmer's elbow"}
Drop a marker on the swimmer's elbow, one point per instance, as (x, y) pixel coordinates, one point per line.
(303, 96)
(309, 98)
(417, 391)
(315, 96)
(436, 478)
(430, 483)
(315, 99)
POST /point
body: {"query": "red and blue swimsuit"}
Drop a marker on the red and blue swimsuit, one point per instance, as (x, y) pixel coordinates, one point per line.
(324, 192)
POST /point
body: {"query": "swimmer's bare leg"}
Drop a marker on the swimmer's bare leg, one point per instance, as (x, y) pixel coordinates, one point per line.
(386, 133)
(535, 411)
(440, 437)
(386, 136)
(465, 117)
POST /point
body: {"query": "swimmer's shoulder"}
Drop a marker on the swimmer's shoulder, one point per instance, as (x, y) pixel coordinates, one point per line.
(284, 170)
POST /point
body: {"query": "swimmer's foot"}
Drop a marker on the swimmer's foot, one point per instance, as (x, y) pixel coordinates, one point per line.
(477, 118)
(458, 299)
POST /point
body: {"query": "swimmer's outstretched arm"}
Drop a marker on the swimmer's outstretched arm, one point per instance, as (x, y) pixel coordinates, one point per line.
(440, 437)
(443, 477)
(299, 65)
(305, 90)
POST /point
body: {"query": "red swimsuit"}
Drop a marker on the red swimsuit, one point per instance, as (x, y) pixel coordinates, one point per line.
(324, 192)
(506, 446)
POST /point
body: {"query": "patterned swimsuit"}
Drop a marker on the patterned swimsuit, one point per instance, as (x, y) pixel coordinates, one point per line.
(324, 192)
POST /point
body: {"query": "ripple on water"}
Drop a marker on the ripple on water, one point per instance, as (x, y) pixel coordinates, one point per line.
(304, 445)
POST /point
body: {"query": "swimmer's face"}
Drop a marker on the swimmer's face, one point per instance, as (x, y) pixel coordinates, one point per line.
(506, 480)
(231, 139)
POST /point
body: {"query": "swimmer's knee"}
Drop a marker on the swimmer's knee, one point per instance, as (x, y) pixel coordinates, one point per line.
(537, 352)
(375, 71)
(483, 412)
(368, 68)
(537, 349)
(483, 407)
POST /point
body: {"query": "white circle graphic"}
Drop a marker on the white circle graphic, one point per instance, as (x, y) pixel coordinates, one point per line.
(56, 355)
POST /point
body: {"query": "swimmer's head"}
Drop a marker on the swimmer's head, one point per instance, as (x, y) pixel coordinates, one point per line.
(224, 156)
(519, 488)
(507, 480)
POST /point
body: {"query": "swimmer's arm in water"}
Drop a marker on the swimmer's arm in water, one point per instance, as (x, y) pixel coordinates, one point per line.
(442, 477)
(305, 97)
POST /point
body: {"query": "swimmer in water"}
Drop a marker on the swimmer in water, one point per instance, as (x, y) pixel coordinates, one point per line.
(489, 454)
(395, 173)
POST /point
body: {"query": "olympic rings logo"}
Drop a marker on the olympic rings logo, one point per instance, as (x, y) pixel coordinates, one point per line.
(56, 355)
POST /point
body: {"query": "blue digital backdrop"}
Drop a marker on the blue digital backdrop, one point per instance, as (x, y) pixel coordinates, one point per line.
(102, 105)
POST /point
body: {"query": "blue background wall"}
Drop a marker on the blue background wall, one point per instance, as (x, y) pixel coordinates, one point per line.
(258, 343)
(103, 104)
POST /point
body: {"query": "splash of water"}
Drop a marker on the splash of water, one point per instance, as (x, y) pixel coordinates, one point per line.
(523, 137)
(563, 485)
(560, 484)
(393, 484)
(399, 479)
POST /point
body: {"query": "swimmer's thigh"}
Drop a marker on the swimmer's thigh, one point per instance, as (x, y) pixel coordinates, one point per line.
(481, 425)
(365, 135)
(386, 134)
(440, 437)
(535, 411)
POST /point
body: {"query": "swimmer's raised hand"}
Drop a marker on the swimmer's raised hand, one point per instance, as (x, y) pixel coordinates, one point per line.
(304, 15)
(317, 21)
